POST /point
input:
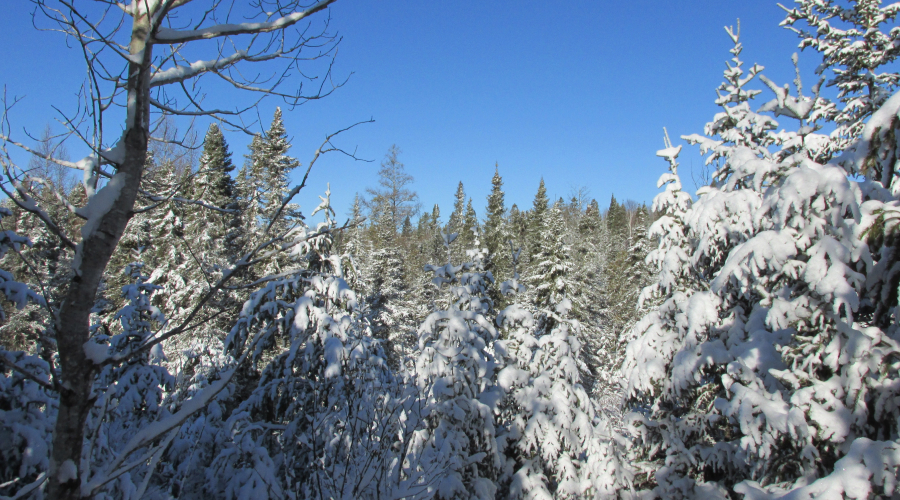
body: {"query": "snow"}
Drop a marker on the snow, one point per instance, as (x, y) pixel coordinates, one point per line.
(67, 472)
(178, 73)
(95, 209)
(97, 353)
(168, 35)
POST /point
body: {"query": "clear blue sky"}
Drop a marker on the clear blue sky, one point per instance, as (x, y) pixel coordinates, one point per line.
(577, 92)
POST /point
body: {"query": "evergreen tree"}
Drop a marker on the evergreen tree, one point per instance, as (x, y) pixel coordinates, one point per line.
(455, 373)
(250, 185)
(495, 230)
(356, 251)
(496, 235)
(518, 227)
(617, 227)
(751, 365)
(406, 231)
(390, 312)
(318, 422)
(456, 223)
(535, 221)
(858, 44)
(277, 167)
(588, 260)
(212, 230)
(470, 230)
(554, 443)
(552, 271)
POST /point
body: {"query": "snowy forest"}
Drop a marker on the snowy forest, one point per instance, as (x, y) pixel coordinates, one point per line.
(175, 326)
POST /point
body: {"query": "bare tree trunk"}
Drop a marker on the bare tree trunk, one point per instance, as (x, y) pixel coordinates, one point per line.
(73, 325)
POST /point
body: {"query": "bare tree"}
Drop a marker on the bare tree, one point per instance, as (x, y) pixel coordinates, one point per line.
(144, 59)
(393, 191)
(580, 196)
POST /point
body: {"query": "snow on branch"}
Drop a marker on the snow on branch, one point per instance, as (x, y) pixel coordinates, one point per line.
(155, 430)
(182, 73)
(168, 35)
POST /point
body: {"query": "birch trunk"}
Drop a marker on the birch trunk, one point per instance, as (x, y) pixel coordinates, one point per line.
(73, 325)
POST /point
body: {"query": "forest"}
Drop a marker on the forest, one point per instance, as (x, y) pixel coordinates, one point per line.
(175, 326)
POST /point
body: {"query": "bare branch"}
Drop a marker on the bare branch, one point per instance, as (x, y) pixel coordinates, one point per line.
(319, 152)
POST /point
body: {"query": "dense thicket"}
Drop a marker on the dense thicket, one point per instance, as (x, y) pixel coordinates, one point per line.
(742, 342)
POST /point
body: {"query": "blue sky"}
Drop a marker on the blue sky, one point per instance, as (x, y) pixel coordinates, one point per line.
(577, 92)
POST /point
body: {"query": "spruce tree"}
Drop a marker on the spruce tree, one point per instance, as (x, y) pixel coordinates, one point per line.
(276, 169)
(535, 220)
(551, 279)
(588, 260)
(390, 312)
(495, 230)
(470, 227)
(752, 365)
(355, 249)
(456, 223)
(211, 232)
(250, 188)
(859, 43)
(518, 228)
(455, 374)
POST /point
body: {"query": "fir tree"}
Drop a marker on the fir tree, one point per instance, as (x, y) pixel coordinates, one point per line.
(250, 188)
(455, 374)
(470, 229)
(456, 222)
(518, 226)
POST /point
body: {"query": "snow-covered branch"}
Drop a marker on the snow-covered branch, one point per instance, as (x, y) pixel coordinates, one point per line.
(168, 35)
(182, 73)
